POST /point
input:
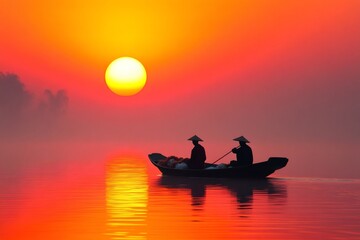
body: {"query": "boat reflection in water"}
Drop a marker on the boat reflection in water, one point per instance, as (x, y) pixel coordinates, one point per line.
(213, 208)
(242, 189)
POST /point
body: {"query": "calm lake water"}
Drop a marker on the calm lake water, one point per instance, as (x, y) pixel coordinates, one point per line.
(124, 197)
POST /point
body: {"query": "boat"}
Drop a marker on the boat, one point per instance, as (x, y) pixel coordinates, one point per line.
(256, 170)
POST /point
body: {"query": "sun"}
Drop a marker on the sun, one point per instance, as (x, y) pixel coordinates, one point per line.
(125, 76)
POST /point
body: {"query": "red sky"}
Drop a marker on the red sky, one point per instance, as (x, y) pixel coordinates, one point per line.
(283, 73)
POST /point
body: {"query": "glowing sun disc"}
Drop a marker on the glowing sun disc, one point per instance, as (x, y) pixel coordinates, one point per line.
(125, 76)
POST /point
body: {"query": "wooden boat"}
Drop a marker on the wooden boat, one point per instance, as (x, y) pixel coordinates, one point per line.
(256, 170)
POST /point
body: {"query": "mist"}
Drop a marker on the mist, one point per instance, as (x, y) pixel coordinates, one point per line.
(317, 132)
(25, 116)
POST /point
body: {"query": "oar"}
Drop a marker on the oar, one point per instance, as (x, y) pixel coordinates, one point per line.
(223, 156)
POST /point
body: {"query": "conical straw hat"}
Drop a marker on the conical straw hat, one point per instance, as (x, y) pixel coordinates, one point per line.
(241, 139)
(195, 138)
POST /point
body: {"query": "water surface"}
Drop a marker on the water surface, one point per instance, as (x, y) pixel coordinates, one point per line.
(123, 197)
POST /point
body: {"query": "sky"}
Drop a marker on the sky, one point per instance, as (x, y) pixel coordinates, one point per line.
(285, 74)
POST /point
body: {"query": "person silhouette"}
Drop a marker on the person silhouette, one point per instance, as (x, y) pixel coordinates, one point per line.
(198, 155)
(244, 154)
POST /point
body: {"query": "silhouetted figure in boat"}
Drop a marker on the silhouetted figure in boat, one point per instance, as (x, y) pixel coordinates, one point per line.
(244, 154)
(198, 155)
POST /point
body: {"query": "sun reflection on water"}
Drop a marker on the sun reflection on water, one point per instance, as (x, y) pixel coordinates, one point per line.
(126, 198)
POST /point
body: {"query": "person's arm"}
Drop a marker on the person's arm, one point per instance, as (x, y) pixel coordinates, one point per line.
(204, 154)
(193, 153)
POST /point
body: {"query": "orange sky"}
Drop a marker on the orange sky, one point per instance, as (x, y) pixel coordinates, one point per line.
(69, 44)
(280, 72)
